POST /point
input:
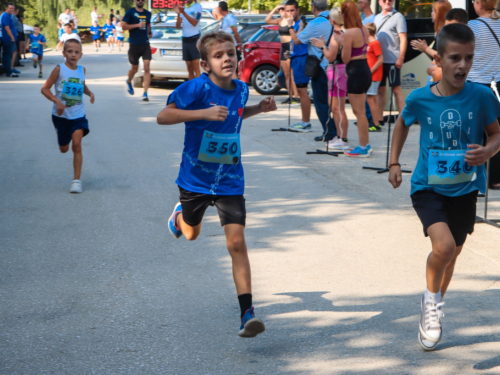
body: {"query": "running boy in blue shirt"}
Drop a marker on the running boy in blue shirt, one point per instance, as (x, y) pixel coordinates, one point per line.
(109, 30)
(36, 43)
(68, 112)
(95, 30)
(213, 107)
(453, 116)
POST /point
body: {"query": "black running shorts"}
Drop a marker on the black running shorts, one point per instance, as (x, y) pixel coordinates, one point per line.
(136, 51)
(396, 76)
(458, 212)
(189, 50)
(231, 208)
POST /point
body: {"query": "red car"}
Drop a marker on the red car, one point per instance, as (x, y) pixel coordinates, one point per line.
(261, 61)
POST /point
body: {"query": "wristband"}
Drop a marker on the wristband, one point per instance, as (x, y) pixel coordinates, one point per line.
(393, 164)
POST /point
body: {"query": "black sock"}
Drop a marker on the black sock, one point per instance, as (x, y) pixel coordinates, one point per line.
(344, 140)
(245, 301)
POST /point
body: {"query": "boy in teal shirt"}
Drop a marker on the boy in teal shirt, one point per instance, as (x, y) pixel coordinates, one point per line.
(36, 43)
(453, 116)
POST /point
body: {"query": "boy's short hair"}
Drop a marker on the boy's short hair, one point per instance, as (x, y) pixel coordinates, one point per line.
(292, 2)
(72, 41)
(457, 14)
(212, 38)
(223, 6)
(454, 32)
(36, 25)
(372, 28)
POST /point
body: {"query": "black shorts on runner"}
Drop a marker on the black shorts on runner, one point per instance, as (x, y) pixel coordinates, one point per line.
(231, 208)
(458, 212)
(396, 77)
(189, 50)
(285, 47)
(136, 51)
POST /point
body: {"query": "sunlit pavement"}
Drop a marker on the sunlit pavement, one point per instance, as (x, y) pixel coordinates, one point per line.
(94, 283)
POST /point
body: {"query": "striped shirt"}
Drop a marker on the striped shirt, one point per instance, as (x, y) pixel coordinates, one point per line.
(486, 65)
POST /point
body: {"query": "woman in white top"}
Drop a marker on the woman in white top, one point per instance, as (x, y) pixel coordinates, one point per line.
(486, 66)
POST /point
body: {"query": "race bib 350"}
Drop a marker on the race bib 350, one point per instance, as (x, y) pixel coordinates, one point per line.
(220, 148)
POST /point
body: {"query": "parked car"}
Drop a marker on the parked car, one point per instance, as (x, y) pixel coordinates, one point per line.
(166, 51)
(261, 60)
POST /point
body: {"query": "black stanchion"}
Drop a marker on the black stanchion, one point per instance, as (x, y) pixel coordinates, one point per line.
(392, 77)
(289, 103)
(485, 220)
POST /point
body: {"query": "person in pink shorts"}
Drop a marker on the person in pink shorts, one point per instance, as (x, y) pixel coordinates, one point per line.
(337, 81)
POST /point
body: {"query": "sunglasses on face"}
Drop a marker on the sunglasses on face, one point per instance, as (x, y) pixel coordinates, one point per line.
(387, 1)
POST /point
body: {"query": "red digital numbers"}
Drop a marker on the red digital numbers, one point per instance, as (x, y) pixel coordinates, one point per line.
(162, 4)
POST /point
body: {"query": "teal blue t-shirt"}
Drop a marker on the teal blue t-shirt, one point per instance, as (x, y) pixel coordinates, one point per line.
(211, 159)
(35, 47)
(96, 32)
(447, 125)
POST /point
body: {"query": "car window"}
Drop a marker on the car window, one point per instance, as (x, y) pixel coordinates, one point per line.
(162, 32)
(248, 31)
(266, 35)
(211, 27)
(415, 9)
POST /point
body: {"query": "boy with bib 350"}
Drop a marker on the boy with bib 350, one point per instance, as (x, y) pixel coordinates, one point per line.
(453, 116)
(213, 107)
(68, 112)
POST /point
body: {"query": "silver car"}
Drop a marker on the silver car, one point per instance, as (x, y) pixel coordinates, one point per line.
(166, 51)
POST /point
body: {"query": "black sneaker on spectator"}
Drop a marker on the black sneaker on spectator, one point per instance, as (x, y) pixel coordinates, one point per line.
(13, 75)
(295, 101)
(374, 129)
(287, 101)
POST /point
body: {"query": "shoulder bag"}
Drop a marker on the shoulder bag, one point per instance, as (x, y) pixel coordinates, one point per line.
(313, 63)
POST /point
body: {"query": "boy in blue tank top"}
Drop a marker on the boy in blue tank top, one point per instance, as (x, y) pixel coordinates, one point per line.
(453, 116)
(68, 112)
(213, 107)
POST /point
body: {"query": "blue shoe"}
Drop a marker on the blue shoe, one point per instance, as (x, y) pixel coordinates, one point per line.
(172, 226)
(35, 63)
(16, 71)
(358, 152)
(250, 325)
(130, 89)
(145, 97)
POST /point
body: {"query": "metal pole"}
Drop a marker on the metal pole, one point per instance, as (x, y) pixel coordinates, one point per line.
(249, 6)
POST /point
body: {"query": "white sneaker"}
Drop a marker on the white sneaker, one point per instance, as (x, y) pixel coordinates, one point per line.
(76, 187)
(430, 330)
(338, 144)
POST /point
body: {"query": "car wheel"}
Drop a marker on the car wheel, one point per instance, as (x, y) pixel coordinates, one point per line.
(265, 80)
(137, 81)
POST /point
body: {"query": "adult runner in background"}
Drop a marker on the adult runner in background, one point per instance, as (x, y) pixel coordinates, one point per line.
(138, 21)
(189, 16)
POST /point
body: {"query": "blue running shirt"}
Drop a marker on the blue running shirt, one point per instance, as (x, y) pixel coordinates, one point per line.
(96, 32)
(108, 29)
(447, 125)
(211, 159)
(35, 47)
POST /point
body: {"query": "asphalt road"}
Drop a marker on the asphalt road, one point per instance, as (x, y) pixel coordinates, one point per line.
(94, 283)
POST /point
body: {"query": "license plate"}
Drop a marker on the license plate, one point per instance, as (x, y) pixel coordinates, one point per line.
(171, 52)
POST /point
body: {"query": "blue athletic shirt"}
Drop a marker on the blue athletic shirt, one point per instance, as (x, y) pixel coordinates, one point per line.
(94, 29)
(108, 29)
(300, 49)
(211, 177)
(447, 125)
(6, 20)
(133, 17)
(35, 47)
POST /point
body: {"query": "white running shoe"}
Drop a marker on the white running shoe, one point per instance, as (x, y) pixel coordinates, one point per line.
(430, 330)
(338, 144)
(76, 187)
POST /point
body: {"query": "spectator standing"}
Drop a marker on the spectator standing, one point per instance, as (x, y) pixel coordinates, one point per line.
(138, 21)
(285, 40)
(111, 14)
(367, 15)
(375, 62)
(118, 16)
(188, 17)
(486, 66)
(297, 64)
(20, 46)
(8, 39)
(391, 33)
(64, 17)
(14, 32)
(337, 81)
(319, 27)
(229, 24)
(74, 18)
(94, 16)
(359, 77)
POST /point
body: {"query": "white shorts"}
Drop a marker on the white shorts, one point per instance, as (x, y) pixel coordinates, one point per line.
(373, 88)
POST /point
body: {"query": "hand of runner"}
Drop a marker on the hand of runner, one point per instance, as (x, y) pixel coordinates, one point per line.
(268, 104)
(177, 10)
(60, 107)
(140, 25)
(395, 176)
(92, 98)
(216, 113)
(476, 155)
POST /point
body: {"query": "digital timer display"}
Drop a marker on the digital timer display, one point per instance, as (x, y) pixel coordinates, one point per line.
(162, 4)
